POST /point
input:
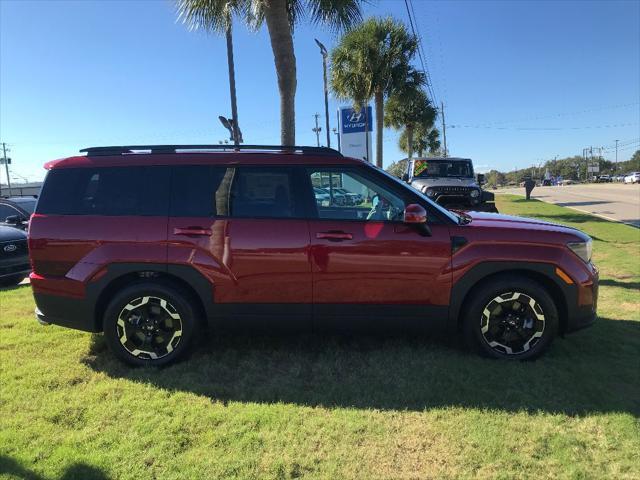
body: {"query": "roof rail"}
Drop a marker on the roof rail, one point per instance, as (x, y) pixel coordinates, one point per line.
(157, 149)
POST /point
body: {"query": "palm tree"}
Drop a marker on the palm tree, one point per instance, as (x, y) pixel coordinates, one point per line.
(372, 61)
(409, 107)
(280, 16)
(425, 139)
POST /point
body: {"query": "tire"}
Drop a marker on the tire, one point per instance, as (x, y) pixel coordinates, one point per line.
(150, 323)
(497, 323)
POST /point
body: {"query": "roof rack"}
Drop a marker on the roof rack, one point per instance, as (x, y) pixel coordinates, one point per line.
(158, 149)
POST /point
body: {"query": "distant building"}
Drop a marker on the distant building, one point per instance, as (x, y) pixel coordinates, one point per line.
(20, 189)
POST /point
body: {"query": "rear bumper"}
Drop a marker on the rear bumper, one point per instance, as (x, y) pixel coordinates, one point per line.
(66, 312)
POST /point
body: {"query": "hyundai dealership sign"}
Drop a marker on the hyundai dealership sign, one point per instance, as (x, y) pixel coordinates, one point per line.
(355, 132)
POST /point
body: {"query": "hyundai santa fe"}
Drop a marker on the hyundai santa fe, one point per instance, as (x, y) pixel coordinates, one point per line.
(152, 244)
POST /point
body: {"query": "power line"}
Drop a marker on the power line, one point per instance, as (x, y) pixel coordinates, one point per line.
(557, 115)
(544, 128)
(420, 55)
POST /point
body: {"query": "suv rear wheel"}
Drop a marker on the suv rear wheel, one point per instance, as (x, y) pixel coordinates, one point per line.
(150, 323)
(511, 317)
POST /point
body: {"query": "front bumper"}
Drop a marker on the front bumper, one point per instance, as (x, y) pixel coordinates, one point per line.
(584, 311)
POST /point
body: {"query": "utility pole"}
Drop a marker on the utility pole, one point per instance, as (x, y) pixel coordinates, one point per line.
(317, 130)
(338, 132)
(444, 129)
(6, 165)
(325, 54)
(617, 155)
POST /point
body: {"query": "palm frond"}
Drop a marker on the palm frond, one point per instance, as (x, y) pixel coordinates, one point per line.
(338, 15)
(208, 15)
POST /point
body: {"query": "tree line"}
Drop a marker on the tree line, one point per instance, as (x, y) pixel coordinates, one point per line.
(574, 168)
(371, 62)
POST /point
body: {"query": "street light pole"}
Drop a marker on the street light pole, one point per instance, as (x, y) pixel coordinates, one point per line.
(6, 165)
(617, 155)
(324, 53)
(317, 130)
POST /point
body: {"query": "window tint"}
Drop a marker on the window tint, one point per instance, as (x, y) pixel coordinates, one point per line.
(347, 195)
(245, 192)
(200, 191)
(262, 192)
(105, 191)
(6, 211)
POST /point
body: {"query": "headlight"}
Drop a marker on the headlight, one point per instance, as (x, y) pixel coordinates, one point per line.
(582, 249)
(475, 193)
(430, 193)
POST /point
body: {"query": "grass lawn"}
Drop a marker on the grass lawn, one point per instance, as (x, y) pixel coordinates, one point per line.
(332, 407)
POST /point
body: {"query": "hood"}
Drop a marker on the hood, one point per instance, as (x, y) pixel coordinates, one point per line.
(10, 234)
(498, 220)
(444, 182)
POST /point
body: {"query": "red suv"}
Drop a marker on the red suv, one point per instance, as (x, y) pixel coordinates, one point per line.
(151, 244)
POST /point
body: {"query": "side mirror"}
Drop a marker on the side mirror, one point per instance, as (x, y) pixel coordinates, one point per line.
(405, 177)
(480, 178)
(415, 213)
(13, 220)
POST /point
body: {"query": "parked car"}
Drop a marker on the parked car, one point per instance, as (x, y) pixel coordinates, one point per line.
(450, 182)
(633, 177)
(14, 256)
(15, 211)
(603, 179)
(352, 198)
(150, 245)
(323, 199)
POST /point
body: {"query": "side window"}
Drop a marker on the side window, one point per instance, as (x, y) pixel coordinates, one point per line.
(263, 192)
(347, 195)
(201, 191)
(7, 211)
(105, 191)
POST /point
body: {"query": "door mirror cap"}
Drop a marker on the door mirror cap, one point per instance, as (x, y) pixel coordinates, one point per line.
(480, 178)
(415, 213)
(405, 177)
(12, 220)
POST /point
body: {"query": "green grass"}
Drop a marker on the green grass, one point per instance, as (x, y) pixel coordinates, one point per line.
(332, 407)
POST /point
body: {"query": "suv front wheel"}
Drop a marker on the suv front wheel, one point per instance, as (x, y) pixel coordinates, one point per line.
(150, 323)
(511, 317)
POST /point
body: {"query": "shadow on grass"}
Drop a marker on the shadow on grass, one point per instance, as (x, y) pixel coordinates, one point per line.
(595, 370)
(608, 282)
(77, 471)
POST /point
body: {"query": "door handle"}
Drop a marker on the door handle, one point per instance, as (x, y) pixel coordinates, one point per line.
(334, 236)
(192, 231)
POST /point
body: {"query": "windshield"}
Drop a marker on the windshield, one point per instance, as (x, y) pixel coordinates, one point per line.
(452, 216)
(442, 168)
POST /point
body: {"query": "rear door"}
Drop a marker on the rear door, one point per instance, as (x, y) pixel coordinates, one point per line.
(370, 269)
(87, 218)
(243, 228)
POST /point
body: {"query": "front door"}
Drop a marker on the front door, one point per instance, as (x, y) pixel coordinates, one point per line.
(241, 228)
(369, 268)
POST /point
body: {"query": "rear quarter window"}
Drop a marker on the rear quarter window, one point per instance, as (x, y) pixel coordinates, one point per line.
(109, 191)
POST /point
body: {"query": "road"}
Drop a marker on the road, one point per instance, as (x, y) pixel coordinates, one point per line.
(613, 201)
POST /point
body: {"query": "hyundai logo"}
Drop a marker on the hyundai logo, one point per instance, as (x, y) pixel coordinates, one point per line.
(10, 248)
(355, 117)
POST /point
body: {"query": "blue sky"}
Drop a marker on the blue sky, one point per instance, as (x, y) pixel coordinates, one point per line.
(522, 81)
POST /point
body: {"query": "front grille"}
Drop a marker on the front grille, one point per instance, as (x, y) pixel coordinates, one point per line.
(7, 249)
(452, 189)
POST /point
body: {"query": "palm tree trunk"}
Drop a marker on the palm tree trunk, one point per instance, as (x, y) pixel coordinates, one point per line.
(284, 57)
(409, 129)
(235, 130)
(379, 101)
